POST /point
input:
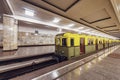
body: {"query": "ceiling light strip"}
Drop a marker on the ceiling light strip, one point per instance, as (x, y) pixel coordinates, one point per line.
(9, 4)
(57, 26)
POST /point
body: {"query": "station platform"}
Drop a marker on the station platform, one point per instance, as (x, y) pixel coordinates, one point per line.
(103, 65)
(23, 52)
(101, 68)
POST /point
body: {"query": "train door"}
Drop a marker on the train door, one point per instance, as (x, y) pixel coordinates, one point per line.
(82, 45)
(103, 44)
(96, 43)
(108, 43)
(72, 47)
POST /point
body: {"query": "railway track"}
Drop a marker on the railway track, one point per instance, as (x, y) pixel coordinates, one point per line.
(17, 67)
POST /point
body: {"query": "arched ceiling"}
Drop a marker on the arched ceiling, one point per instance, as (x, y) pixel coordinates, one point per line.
(96, 14)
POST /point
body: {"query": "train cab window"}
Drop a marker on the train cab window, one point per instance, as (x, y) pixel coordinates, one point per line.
(100, 42)
(64, 42)
(72, 42)
(82, 41)
(90, 42)
(57, 41)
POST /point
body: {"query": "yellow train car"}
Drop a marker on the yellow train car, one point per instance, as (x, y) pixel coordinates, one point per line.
(68, 45)
(99, 43)
(89, 44)
(110, 42)
(106, 43)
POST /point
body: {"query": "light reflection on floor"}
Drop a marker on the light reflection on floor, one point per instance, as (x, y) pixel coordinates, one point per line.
(75, 74)
(64, 72)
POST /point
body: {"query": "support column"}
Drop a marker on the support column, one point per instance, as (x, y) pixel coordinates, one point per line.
(10, 33)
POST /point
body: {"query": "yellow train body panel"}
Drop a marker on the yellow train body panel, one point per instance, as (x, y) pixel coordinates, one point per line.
(69, 44)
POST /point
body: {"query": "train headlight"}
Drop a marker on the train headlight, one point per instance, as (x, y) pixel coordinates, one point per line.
(62, 52)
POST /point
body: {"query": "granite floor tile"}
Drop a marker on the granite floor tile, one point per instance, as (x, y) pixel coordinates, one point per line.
(107, 68)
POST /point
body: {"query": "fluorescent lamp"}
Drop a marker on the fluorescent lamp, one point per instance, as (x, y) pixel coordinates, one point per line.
(29, 12)
(77, 29)
(70, 25)
(86, 30)
(53, 25)
(56, 20)
(80, 27)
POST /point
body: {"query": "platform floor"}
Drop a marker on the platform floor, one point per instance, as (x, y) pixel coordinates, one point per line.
(26, 52)
(102, 68)
(87, 68)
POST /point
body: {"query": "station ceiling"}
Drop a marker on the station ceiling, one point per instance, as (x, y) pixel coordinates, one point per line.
(95, 14)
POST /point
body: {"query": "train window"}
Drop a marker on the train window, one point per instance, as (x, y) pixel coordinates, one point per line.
(64, 42)
(82, 41)
(58, 41)
(90, 42)
(72, 42)
(100, 42)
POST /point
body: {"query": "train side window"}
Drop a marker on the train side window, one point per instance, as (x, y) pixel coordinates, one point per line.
(90, 42)
(64, 42)
(100, 42)
(72, 42)
(82, 41)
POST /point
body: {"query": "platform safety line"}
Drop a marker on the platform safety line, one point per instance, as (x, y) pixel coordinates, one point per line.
(38, 78)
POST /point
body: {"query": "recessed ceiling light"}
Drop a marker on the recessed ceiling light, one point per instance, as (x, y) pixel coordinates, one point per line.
(29, 12)
(56, 20)
(70, 25)
(80, 27)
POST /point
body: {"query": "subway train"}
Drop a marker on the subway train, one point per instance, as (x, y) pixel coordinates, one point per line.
(69, 45)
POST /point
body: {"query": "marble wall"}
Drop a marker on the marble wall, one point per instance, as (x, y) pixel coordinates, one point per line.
(1, 34)
(27, 38)
(32, 39)
(10, 33)
(1, 37)
(26, 35)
